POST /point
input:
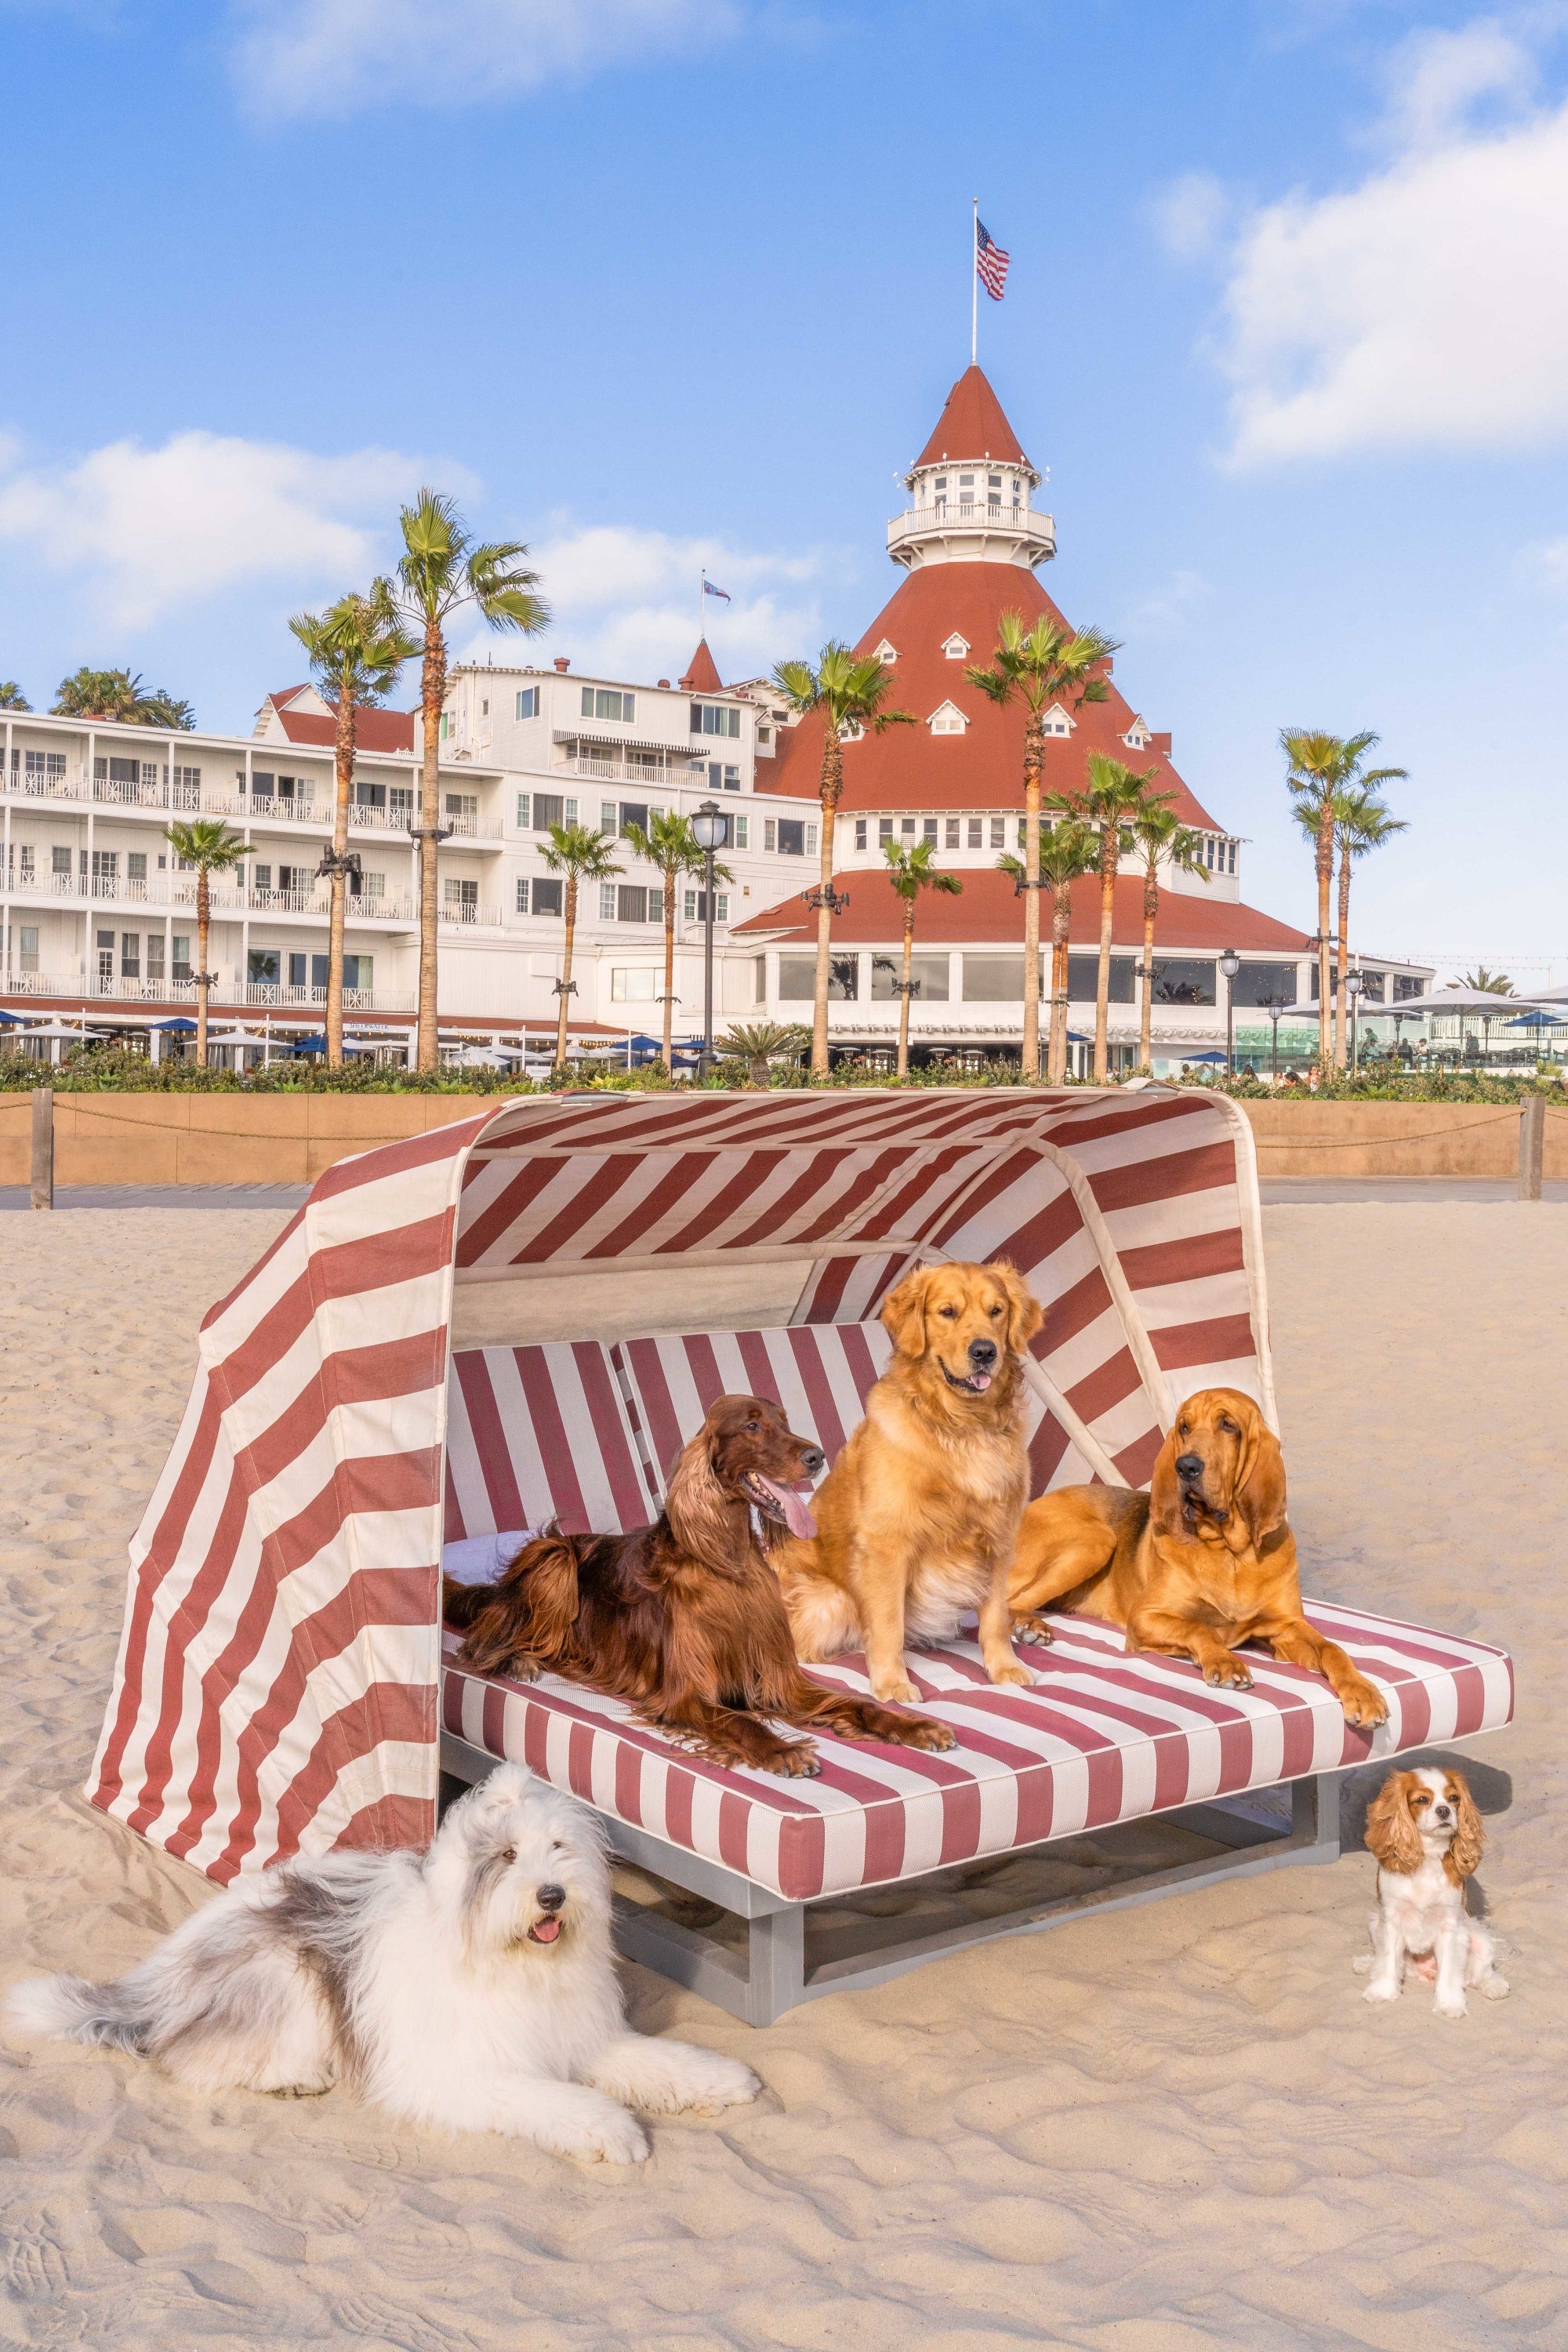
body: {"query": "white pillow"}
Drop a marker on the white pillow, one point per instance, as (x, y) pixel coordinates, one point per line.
(480, 1560)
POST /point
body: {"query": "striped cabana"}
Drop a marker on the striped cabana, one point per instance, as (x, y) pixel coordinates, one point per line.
(277, 1685)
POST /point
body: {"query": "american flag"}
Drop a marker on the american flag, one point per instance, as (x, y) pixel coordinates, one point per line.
(709, 589)
(989, 260)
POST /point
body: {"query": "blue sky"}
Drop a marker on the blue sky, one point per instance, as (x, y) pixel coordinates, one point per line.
(654, 283)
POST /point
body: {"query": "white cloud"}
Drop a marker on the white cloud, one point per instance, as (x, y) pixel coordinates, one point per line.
(329, 56)
(1550, 563)
(1165, 609)
(151, 530)
(625, 602)
(1425, 307)
(1190, 214)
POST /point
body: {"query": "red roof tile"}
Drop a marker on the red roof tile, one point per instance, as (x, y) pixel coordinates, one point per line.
(972, 425)
(702, 673)
(910, 768)
(376, 730)
(990, 913)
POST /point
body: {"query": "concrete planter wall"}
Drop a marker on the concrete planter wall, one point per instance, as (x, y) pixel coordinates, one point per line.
(158, 1138)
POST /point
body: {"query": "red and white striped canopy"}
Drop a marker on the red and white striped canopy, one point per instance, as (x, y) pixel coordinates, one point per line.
(277, 1686)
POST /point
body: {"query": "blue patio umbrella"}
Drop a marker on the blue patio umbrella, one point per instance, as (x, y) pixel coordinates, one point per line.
(316, 1044)
(1539, 1021)
(1195, 1058)
(176, 1025)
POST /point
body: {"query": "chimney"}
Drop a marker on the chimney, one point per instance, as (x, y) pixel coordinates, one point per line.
(664, 681)
(563, 661)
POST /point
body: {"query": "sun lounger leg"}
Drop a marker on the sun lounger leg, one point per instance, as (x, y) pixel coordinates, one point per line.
(777, 1977)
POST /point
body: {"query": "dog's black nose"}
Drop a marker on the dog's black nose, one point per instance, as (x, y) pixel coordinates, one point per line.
(811, 1460)
(551, 1898)
(1190, 1464)
(983, 1354)
(1441, 1812)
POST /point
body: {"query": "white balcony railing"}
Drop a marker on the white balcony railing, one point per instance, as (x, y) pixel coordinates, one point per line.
(484, 918)
(264, 995)
(1027, 525)
(77, 788)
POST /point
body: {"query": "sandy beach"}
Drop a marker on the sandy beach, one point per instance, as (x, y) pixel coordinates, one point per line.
(1162, 2130)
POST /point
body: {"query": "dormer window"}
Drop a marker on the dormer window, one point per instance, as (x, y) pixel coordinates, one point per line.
(956, 648)
(1056, 721)
(993, 492)
(851, 732)
(939, 491)
(885, 652)
(947, 720)
(1137, 738)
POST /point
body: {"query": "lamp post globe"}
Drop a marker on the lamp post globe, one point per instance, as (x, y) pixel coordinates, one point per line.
(1231, 964)
(1355, 983)
(710, 830)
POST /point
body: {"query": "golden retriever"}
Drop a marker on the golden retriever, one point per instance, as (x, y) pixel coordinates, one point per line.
(918, 1518)
(1203, 1561)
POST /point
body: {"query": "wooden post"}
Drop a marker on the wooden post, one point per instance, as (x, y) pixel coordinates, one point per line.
(1532, 1146)
(42, 1194)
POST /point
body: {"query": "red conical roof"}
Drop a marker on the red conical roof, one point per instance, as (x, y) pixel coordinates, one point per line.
(702, 672)
(972, 425)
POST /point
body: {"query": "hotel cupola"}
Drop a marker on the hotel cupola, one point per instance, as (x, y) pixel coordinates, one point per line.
(970, 490)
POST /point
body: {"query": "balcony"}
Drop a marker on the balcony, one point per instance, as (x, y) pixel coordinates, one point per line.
(177, 893)
(77, 789)
(265, 995)
(678, 770)
(964, 527)
(470, 917)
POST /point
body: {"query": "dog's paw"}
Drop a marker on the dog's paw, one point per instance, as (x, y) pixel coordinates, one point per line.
(1495, 1988)
(1016, 1672)
(617, 2138)
(1229, 1673)
(895, 1690)
(929, 1735)
(1033, 1629)
(1361, 1964)
(1381, 1992)
(1450, 2008)
(720, 2083)
(798, 1762)
(1363, 1705)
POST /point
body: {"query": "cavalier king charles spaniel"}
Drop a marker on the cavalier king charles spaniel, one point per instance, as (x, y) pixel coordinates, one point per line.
(1427, 1835)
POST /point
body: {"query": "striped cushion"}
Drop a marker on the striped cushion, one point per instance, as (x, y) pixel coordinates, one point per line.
(821, 1373)
(537, 1434)
(1100, 1739)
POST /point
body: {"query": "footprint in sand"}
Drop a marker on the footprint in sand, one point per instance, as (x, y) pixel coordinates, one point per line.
(33, 2261)
(383, 2322)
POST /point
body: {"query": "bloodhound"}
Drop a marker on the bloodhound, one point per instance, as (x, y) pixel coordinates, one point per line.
(1201, 1563)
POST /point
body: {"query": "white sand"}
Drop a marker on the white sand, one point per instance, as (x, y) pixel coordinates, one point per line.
(1177, 2127)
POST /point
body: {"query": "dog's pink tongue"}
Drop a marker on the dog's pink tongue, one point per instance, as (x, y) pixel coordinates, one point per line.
(546, 1930)
(980, 1382)
(797, 1518)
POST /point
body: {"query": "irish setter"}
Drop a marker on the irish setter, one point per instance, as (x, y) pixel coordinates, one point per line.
(685, 1619)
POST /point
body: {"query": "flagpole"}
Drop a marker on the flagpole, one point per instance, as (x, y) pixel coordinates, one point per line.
(975, 288)
(702, 607)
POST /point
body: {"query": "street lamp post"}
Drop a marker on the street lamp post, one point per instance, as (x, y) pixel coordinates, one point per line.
(1274, 1006)
(1354, 985)
(1231, 964)
(710, 829)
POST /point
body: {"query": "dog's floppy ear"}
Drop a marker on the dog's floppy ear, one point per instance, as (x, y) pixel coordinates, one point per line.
(1025, 1313)
(1390, 1832)
(1260, 1481)
(1469, 1837)
(1164, 1491)
(903, 1312)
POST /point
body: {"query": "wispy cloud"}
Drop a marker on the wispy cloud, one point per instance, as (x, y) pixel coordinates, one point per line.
(626, 601)
(1165, 609)
(1425, 306)
(150, 531)
(325, 57)
(1190, 216)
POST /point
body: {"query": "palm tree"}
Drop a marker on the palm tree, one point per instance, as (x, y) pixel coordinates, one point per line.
(1040, 666)
(1069, 850)
(441, 569)
(848, 691)
(583, 855)
(669, 844)
(1158, 832)
(911, 871)
(356, 647)
(1113, 797)
(1362, 823)
(1489, 983)
(761, 1042)
(114, 694)
(12, 697)
(207, 844)
(1319, 767)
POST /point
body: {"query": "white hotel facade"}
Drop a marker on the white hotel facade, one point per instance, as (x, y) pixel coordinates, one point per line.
(97, 919)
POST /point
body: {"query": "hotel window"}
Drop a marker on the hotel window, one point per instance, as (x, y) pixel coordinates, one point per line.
(155, 955)
(401, 802)
(129, 955)
(601, 702)
(741, 827)
(29, 871)
(181, 945)
(264, 967)
(367, 885)
(463, 807)
(797, 979)
(939, 492)
(366, 795)
(27, 946)
(609, 817)
(714, 718)
(952, 825)
(860, 825)
(930, 973)
(993, 492)
(545, 895)
(135, 865)
(633, 904)
(45, 764)
(928, 830)
(722, 779)
(999, 833)
(606, 902)
(462, 898)
(261, 876)
(106, 866)
(884, 828)
(297, 878)
(639, 985)
(634, 812)
(549, 809)
(907, 828)
(965, 482)
(697, 906)
(527, 703)
(106, 956)
(948, 722)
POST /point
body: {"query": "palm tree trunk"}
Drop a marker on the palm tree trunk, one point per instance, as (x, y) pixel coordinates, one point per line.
(1034, 754)
(344, 749)
(1325, 875)
(1146, 1017)
(566, 971)
(1110, 849)
(671, 876)
(832, 785)
(433, 685)
(1341, 1041)
(204, 926)
(904, 991)
(1062, 932)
